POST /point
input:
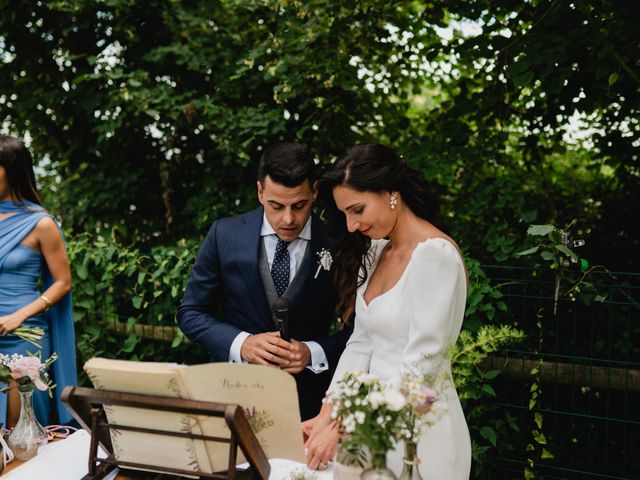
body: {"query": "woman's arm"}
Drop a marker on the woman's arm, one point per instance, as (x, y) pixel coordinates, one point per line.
(436, 294)
(47, 238)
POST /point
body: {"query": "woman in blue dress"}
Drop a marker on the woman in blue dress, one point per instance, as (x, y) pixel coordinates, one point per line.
(35, 281)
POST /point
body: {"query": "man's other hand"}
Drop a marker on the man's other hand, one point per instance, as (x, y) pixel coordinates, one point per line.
(301, 358)
(268, 349)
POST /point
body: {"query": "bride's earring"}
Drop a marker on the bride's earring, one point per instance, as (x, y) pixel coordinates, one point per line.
(393, 201)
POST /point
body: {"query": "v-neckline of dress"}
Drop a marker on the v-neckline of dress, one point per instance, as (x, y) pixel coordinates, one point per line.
(394, 286)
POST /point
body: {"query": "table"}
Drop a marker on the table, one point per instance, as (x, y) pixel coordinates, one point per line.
(68, 460)
(59, 460)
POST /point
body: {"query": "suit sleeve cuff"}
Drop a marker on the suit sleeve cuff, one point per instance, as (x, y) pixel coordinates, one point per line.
(319, 362)
(234, 351)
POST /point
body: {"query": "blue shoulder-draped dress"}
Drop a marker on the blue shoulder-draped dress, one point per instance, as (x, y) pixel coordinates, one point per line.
(18, 287)
(21, 268)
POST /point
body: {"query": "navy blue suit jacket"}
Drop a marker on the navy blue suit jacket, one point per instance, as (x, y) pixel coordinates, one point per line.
(225, 296)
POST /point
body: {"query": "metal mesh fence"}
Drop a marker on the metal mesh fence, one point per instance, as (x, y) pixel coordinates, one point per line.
(589, 375)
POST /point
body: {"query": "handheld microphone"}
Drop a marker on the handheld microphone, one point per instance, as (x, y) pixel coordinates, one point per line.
(280, 309)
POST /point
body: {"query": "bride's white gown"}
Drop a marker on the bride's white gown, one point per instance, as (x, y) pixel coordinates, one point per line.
(420, 315)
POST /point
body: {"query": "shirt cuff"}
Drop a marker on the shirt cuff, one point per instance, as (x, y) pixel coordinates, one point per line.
(319, 362)
(234, 351)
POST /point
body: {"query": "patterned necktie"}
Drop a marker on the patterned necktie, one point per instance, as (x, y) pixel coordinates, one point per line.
(280, 267)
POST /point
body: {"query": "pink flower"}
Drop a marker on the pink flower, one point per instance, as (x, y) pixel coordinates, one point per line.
(28, 367)
(430, 397)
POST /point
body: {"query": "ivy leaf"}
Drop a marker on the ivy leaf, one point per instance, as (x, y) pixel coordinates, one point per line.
(82, 271)
(130, 343)
(491, 374)
(137, 302)
(540, 230)
(177, 341)
(527, 252)
(539, 437)
(488, 389)
(538, 419)
(488, 433)
(546, 454)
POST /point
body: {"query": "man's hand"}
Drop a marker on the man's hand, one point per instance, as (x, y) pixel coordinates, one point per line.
(268, 349)
(301, 358)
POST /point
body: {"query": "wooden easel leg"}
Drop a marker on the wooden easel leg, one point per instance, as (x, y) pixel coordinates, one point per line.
(93, 447)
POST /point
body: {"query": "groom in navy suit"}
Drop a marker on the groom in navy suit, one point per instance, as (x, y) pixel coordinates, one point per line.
(246, 262)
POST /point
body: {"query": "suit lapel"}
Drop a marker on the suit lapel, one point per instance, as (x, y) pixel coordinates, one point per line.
(248, 250)
(319, 240)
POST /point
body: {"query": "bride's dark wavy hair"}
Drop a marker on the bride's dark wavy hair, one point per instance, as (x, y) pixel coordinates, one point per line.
(18, 165)
(368, 167)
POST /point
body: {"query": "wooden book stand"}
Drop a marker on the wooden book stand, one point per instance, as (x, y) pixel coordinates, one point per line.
(85, 404)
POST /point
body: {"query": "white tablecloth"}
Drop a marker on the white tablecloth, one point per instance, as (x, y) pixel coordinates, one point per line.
(63, 460)
(67, 460)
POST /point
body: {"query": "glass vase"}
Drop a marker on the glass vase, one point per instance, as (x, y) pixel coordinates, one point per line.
(411, 462)
(28, 435)
(378, 469)
(349, 462)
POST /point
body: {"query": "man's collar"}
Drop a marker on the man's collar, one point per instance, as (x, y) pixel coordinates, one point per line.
(267, 229)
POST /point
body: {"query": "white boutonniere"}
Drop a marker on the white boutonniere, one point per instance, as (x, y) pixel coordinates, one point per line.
(324, 261)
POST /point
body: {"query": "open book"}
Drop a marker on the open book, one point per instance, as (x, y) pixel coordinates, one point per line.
(267, 395)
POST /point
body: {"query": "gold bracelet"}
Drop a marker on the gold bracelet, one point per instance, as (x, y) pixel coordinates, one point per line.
(47, 303)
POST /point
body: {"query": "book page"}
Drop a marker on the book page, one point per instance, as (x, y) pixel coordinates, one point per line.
(268, 396)
(152, 379)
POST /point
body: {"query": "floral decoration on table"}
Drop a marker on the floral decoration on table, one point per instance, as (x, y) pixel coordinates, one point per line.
(302, 474)
(324, 261)
(28, 372)
(368, 411)
(375, 415)
(422, 409)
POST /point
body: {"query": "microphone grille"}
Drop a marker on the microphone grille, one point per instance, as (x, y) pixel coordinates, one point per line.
(281, 304)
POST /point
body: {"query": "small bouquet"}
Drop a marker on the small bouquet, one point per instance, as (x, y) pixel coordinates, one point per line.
(33, 335)
(28, 372)
(368, 411)
(422, 409)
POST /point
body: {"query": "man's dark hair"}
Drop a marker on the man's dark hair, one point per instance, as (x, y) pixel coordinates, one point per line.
(288, 164)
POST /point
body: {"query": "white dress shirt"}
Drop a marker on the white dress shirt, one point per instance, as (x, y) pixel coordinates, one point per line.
(296, 248)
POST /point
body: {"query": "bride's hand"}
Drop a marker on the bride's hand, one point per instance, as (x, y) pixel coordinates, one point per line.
(316, 423)
(321, 437)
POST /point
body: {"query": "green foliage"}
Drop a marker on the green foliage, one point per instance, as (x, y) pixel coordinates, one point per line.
(122, 296)
(553, 245)
(483, 298)
(151, 115)
(473, 381)
(480, 337)
(537, 446)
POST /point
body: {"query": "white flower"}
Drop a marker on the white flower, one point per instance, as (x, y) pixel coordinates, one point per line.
(375, 399)
(394, 399)
(324, 261)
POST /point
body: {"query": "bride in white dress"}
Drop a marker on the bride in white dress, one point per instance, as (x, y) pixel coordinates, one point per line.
(406, 282)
